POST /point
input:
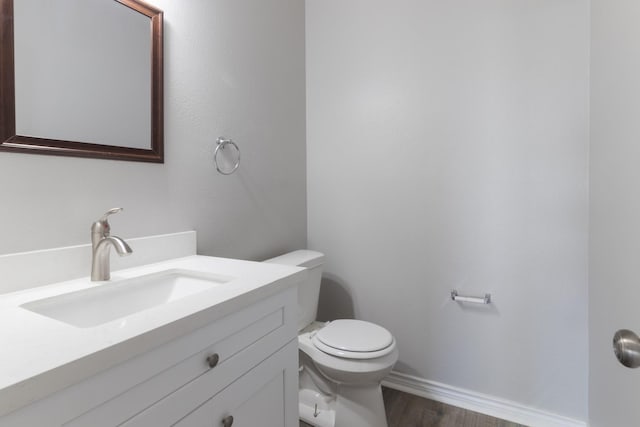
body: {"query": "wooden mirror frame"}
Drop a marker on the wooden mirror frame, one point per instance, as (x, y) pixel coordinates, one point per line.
(10, 141)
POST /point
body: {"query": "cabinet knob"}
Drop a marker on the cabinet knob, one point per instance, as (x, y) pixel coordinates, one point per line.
(212, 361)
(227, 421)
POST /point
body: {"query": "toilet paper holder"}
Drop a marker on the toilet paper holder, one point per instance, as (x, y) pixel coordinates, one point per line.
(486, 299)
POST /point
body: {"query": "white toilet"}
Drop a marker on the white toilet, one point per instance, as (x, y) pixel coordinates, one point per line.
(342, 362)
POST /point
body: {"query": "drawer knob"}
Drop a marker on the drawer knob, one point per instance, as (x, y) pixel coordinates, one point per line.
(212, 361)
(227, 421)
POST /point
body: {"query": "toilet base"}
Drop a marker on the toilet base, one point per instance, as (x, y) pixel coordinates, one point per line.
(316, 409)
(351, 407)
(360, 407)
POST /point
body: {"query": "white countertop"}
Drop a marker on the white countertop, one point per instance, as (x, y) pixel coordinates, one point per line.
(41, 355)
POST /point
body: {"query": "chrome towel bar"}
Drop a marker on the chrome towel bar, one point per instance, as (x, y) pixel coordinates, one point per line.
(486, 299)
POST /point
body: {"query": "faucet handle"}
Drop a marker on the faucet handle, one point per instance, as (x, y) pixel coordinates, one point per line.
(101, 227)
(109, 212)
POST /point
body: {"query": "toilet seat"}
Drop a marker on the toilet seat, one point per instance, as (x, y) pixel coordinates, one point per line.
(354, 339)
(350, 370)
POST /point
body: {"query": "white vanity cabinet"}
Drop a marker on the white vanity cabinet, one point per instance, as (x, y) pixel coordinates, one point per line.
(257, 398)
(239, 370)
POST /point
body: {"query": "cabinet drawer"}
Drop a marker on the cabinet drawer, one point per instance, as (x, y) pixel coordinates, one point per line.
(239, 336)
(265, 396)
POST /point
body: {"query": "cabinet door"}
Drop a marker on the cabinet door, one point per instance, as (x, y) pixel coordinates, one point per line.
(262, 397)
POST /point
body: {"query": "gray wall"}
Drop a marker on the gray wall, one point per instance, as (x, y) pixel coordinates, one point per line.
(615, 208)
(447, 149)
(232, 68)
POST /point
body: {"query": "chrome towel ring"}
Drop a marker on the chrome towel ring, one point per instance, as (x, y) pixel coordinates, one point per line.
(221, 144)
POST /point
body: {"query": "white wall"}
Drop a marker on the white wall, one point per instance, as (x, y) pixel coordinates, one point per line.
(232, 68)
(614, 291)
(447, 149)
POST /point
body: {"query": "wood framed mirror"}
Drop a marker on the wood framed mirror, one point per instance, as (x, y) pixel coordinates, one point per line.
(89, 87)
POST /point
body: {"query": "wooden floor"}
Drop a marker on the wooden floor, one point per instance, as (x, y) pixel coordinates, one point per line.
(406, 410)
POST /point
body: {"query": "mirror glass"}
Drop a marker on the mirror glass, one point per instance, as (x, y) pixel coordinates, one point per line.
(83, 75)
(87, 79)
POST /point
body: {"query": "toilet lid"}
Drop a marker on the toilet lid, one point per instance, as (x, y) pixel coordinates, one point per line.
(344, 336)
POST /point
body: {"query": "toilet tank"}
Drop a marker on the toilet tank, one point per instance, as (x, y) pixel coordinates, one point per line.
(309, 290)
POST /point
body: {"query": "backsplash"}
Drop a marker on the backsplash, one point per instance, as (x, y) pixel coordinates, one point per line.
(37, 268)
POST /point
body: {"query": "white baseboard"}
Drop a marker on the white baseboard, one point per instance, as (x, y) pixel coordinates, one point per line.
(477, 402)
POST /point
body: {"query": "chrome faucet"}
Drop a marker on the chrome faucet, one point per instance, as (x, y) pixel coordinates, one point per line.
(100, 242)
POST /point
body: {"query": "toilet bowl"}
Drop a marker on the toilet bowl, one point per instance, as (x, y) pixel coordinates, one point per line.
(341, 362)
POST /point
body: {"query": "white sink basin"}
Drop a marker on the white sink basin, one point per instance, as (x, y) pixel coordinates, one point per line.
(114, 300)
